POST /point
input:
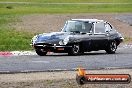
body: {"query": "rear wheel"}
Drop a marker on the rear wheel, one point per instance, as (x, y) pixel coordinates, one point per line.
(41, 52)
(111, 49)
(75, 50)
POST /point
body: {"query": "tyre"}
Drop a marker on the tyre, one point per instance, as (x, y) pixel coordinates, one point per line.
(75, 50)
(111, 48)
(41, 52)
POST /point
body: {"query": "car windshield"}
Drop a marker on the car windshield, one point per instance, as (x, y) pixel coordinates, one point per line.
(77, 26)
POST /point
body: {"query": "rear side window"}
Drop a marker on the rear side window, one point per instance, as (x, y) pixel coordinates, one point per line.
(100, 27)
(83, 27)
(87, 27)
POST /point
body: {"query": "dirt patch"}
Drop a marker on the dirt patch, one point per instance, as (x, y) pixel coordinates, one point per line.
(64, 79)
(48, 23)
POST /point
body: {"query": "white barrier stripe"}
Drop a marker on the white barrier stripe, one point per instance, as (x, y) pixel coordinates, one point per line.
(20, 53)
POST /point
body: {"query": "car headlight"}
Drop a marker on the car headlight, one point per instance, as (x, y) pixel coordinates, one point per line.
(64, 41)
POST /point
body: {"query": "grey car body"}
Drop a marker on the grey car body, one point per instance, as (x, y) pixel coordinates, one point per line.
(79, 36)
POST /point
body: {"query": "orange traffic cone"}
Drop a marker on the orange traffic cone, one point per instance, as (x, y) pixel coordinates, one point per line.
(81, 72)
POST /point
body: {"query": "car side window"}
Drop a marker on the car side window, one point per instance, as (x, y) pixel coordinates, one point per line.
(78, 26)
(83, 27)
(108, 27)
(88, 27)
(100, 27)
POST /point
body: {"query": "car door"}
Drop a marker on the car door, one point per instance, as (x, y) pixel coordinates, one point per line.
(100, 36)
(83, 37)
(88, 29)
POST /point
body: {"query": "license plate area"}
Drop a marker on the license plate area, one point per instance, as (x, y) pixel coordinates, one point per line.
(60, 48)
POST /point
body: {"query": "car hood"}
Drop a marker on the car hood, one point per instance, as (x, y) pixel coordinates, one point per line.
(52, 38)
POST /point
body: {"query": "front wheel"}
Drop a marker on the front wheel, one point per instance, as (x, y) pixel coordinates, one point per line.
(41, 52)
(111, 48)
(75, 50)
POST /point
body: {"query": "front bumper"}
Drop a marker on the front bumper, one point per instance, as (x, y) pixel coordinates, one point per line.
(54, 48)
(122, 39)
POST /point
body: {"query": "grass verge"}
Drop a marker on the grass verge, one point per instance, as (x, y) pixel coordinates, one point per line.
(127, 39)
(61, 8)
(10, 39)
(74, 1)
(14, 40)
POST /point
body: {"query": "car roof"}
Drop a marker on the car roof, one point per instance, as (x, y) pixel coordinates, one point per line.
(88, 20)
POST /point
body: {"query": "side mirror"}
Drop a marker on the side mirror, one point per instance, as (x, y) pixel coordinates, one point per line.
(61, 28)
(91, 32)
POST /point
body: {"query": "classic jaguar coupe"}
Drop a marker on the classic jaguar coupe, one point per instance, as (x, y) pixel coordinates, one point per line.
(79, 36)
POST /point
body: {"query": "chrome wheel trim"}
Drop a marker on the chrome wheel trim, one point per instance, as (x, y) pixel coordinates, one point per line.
(76, 49)
(113, 46)
(42, 50)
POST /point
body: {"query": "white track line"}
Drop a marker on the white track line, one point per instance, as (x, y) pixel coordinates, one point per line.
(46, 62)
(21, 53)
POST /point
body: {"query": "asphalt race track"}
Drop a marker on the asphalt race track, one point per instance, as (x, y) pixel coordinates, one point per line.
(90, 60)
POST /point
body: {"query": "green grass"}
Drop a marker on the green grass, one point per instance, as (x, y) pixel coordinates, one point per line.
(53, 9)
(11, 39)
(75, 1)
(127, 39)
